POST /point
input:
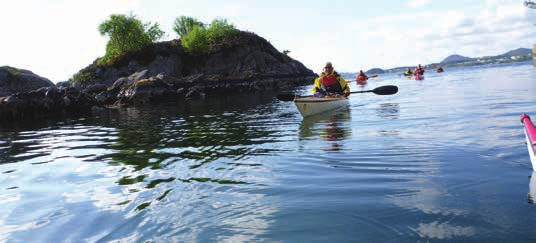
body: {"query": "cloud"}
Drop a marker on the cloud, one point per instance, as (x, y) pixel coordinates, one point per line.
(418, 3)
(501, 26)
(430, 36)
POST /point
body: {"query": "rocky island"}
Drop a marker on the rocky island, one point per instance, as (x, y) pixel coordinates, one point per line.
(162, 70)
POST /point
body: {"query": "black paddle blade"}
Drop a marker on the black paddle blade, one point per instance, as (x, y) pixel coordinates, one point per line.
(286, 97)
(386, 90)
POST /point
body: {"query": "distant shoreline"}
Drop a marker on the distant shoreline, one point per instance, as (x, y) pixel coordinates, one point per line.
(401, 70)
(514, 56)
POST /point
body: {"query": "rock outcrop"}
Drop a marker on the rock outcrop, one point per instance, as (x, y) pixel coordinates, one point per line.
(245, 57)
(13, 80)
(46, 102)
(246, 63)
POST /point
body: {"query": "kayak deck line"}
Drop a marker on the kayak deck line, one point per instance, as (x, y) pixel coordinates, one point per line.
(316, 100)
(530, 137)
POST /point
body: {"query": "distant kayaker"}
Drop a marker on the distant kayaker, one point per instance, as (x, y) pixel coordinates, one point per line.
(408, 72)
(419, 70)
(330, 83)
(439, 69)
(361, 77)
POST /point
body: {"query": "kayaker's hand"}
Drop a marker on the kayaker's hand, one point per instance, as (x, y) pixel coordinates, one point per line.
(346, 93)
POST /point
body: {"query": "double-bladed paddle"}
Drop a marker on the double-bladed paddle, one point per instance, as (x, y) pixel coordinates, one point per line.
(382, 90)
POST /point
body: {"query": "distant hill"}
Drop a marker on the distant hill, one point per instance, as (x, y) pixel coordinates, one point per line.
(517, 52)
(375, 71)
(517, 55)
(456, 58)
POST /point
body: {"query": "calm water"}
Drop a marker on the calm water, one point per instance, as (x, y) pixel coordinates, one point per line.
(442, 160)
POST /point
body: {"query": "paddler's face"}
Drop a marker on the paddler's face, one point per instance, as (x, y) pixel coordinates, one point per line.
(328, 69)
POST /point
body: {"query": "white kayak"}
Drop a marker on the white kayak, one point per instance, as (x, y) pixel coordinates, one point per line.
(309, 106)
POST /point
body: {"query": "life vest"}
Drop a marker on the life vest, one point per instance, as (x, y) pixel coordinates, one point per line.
(329, 80)
(331, 84)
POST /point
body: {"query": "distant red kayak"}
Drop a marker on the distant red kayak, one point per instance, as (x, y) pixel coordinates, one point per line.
(361, 78)
(530, 136)
(360, 82)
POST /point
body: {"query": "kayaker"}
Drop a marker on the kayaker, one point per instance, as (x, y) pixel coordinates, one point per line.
(419, 70)
(408, 72)
(439, 69)
(361, 76)
(330, 83)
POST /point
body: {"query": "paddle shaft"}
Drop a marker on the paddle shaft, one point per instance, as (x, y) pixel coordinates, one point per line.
(372, 76)
(382, 90)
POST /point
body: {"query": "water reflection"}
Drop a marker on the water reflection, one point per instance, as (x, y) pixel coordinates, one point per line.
(208, 155)
(361, 84)
(444, 230)
(335, 129)
(388, 111)
(332, 127)
(441, 219)
(202, 153)
(532, 189)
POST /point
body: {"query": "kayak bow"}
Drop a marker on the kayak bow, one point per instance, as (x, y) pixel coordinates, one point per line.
(530, 136)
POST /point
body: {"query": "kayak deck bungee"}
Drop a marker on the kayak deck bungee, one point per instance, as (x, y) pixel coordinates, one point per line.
(530, 136)
(308, 106)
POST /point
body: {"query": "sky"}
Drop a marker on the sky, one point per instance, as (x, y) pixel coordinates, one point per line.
(57, 38)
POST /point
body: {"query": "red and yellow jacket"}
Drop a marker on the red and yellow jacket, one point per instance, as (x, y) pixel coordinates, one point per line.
(331, 83)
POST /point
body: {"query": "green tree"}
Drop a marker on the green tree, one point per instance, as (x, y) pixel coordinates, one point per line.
(153, 31)
(127, 34)
(199, 39)
(184, 25)
(220, 30)
(196, 41)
